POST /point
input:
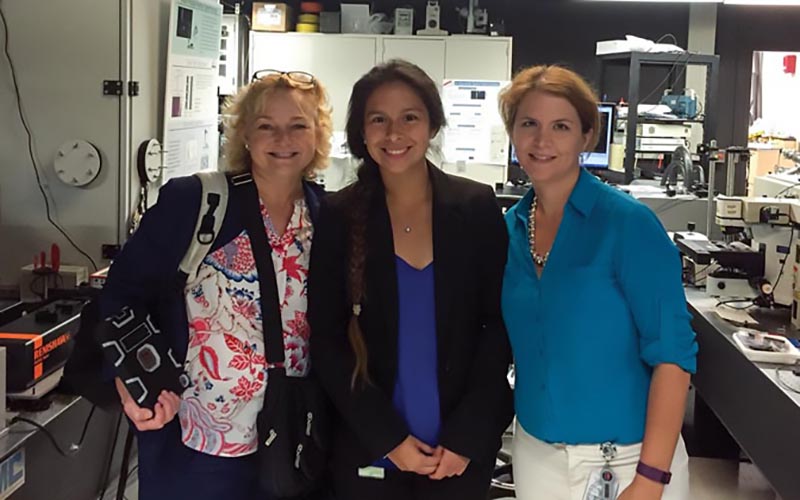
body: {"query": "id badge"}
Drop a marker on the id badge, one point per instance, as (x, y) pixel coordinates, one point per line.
(602, 485)
(372, 472)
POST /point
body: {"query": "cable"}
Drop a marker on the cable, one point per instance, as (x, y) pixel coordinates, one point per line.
(727, 303)
(74, 448)
(670, 35)
(700, 275)
(45, 279)
(666, 207)
(30, 143)
(783, 264)
(786, 189)
(783, 382)
(32, 286)
(669, 73)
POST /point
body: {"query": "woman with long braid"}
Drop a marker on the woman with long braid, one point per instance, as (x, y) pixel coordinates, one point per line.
(404, 306)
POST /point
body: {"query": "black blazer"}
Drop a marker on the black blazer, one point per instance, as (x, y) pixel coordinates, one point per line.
(469, 246)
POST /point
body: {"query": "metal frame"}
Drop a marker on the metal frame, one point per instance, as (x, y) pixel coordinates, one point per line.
(125, 204)
(635, 61)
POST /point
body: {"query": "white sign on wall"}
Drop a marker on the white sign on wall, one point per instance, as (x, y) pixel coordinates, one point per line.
(475, 131)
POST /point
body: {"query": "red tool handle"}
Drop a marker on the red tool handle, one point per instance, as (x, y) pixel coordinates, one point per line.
(55, 257)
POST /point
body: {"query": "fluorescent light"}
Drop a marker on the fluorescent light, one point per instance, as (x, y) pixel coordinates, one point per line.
(762, 2)
(726, 2)
(661, 1)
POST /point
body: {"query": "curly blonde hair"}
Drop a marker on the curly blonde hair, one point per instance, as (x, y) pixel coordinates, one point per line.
(557, 81)
(241, 112)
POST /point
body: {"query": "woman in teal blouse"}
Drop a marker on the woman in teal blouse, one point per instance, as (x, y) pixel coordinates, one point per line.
(595, 310)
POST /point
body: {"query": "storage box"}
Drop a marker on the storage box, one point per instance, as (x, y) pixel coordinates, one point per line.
(403, 21)
(330, 22)
(32, 285)
(271, 17)
(355, 18)
(39, 343)
(98, 278)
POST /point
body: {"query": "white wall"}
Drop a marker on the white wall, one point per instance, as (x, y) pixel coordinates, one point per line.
(780, 96)
(62, 52)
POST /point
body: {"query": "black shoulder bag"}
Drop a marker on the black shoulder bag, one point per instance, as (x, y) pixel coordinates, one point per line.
(293, 430)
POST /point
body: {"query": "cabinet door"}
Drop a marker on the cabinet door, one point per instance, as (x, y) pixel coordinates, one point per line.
(478, 58)
(338, 61)
(428, 54)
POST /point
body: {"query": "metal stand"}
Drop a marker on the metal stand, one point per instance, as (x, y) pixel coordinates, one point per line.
(710, 210)
(635, 62)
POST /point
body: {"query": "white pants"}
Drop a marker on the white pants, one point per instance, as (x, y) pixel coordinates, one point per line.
(544, 471)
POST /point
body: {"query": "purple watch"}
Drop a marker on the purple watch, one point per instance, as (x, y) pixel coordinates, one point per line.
(653, 474)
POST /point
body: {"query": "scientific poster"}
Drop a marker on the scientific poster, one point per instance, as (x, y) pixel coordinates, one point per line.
(475, 131)
(191, 137)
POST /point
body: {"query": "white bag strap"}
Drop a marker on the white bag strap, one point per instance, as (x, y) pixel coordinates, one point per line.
(213, 204)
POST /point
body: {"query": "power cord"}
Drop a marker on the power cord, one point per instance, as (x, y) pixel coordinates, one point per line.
(787, 189)
(74, 448)
(727, 303)
(30, 143)
(668, 35)
(786, 385)
(669, 73)
(44, 279)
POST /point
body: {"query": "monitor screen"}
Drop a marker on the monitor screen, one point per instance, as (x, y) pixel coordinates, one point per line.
(599, 157)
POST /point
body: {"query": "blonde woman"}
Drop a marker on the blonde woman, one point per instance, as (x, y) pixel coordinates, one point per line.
(279, 134)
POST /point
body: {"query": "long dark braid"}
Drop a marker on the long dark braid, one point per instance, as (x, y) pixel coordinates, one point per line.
(363, 192)
(368, 184)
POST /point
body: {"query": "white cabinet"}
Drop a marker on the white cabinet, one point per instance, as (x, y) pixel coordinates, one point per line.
(428, 54)
(478, 58)
(338, 61)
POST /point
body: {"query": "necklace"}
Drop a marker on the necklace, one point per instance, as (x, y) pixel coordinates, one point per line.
(407, 229)
(538, 259)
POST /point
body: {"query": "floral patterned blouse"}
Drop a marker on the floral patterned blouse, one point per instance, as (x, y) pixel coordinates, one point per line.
(225, 359)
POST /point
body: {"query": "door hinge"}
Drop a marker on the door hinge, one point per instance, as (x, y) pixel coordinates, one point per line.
(112, 87)
(133, 88)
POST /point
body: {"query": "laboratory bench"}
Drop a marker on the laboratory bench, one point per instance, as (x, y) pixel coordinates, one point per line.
(47, 474)
(760, 413)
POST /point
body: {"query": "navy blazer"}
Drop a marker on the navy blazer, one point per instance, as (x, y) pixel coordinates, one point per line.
(145, 273)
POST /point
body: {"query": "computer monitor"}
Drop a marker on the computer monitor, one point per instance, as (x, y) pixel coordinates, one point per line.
(600, 156)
